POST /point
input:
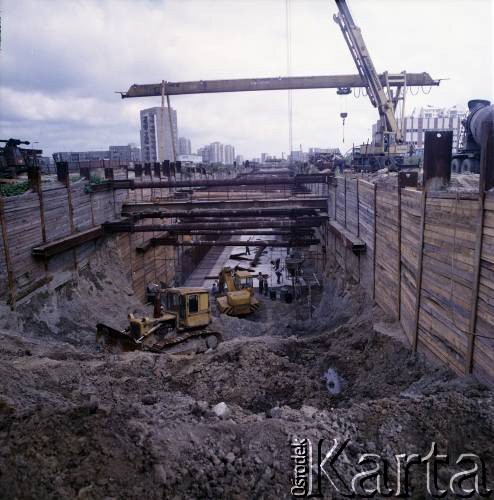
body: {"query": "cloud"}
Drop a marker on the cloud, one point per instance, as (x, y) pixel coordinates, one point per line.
(62, 60)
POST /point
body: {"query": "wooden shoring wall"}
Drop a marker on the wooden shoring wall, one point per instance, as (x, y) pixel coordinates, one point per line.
(64, 207)
(433, 240)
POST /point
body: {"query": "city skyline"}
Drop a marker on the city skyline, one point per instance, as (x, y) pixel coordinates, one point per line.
(119, 46)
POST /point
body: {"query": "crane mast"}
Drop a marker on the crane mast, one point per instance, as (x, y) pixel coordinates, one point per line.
(380, 96)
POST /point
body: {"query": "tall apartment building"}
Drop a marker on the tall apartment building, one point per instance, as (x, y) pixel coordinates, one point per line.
(184, 146)
(430, 118)
(229, 154)
(156, 140)
(216, 152)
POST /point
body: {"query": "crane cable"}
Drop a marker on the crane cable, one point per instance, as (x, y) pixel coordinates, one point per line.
(288, 19)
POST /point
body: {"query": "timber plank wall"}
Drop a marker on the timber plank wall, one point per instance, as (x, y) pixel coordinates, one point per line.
(58, 210)
(432, 239)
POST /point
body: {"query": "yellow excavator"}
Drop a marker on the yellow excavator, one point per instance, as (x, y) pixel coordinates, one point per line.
(238, 297)
(181, 318)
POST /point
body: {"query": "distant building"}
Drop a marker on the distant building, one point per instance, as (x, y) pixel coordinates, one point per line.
(239, 159)
(156, 139)
(429, 118)
(299, 156)
(313, 151)
(190, 158)
(74, 156)
(216, 152)
(184, 146)
(229, 154)
(125, 153)
(47, 164)
(204, 154)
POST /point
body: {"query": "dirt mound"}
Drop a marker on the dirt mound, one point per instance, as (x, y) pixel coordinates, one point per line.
(99, 292)
(77, 422)
(141, 425)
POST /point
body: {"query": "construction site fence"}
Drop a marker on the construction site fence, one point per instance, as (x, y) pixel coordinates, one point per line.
(429, 264)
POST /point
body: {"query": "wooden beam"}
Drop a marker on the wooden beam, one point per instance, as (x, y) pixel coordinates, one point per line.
(8, 261)
(63, 244)
(374, 259)
(398, 187)
(486, 178)
(418, 277)
(348, 239)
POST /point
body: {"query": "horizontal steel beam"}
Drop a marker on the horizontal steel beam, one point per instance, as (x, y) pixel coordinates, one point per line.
(245, 232)
(276, 83)
(235, 243)
(238, 181)
(144, 206)
(243, 212)
(129, 227)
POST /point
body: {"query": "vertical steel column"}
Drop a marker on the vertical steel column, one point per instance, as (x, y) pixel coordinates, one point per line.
(437, 159)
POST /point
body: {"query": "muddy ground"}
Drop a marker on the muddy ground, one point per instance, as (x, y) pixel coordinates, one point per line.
(78, 420)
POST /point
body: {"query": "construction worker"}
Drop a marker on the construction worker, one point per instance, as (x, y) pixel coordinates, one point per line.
(266, 286)
(214, 289)
(247, 250)
(260, 277)
(279, 274)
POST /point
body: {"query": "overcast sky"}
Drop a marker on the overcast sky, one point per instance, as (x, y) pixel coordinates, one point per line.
(62, 60)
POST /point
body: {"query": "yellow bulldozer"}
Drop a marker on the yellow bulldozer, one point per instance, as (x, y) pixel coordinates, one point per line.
(180, 324)
(238, 297)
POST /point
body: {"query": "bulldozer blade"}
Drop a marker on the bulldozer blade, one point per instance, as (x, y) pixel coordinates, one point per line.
(113, 337)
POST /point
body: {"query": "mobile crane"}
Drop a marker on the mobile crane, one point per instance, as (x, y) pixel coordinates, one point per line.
(388, 148)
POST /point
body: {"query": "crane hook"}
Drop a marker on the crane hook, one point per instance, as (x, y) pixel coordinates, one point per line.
(343, 116)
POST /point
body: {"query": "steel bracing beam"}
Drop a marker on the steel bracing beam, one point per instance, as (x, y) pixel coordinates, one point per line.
(129, 227)
(256, 84)
(167, 241)
(218, 213)
(316, 202)
(237, 181)
(246, 232)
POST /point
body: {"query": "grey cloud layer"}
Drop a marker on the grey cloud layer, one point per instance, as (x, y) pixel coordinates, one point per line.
(61, 61)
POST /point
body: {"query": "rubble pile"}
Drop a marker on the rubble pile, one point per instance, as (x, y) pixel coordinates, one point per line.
(80, 421)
